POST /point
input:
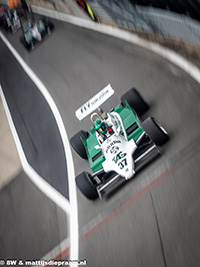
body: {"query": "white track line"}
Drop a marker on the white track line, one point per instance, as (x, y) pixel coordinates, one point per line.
(57, 250)
(51, 193)
(170, 55)
(45, 187)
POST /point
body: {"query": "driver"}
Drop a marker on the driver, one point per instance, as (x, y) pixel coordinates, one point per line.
(103, 129)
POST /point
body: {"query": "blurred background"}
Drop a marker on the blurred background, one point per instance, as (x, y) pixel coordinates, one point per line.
(73, 49)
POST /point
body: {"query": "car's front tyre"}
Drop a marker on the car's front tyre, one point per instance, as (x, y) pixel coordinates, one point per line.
(85, 185)
(155, 131)
(77, 144)
(135, 100)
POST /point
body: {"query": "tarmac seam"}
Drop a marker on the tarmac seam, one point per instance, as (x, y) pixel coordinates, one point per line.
(25, 125)
(159, 232)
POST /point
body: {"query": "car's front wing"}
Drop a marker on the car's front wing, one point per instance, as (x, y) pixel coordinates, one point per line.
(146, 152)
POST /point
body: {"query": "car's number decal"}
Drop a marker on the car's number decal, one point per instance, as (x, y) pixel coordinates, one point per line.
(122, 164)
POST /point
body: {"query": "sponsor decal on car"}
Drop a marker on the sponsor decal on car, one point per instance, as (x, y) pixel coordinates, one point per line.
(111, 144)
(94, 102)
(114, 149)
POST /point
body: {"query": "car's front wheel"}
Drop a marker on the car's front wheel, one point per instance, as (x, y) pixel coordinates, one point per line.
(77, 144)
(135, 100)
(155, 131)
(85, 185)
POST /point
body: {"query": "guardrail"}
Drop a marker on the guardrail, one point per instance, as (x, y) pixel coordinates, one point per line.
(147, 19)
(185, 7)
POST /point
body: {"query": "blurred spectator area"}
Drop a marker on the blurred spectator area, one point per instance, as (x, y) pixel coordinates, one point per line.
(186, 7)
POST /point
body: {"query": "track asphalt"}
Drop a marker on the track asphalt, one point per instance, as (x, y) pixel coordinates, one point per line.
(161, 226)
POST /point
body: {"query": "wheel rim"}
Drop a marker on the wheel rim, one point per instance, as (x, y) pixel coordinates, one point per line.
(160, 126)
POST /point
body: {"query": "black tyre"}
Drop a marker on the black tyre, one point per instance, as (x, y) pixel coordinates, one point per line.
(84, 183)
(77, 144)
(155, 131)
(135, 100)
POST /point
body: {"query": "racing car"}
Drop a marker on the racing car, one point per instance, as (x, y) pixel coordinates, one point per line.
(35, 31)
(128, 146)
(10, 19)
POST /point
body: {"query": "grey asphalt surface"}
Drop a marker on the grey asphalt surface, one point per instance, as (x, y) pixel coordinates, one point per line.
(31, 225)
(154, 219)
(34, 123)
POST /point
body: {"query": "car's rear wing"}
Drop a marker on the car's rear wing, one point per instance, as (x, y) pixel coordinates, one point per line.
(94, 102)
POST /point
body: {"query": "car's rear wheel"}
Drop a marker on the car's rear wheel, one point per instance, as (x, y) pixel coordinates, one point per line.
(77, 143)
(135, 100)
(155, 131)
(85, 185)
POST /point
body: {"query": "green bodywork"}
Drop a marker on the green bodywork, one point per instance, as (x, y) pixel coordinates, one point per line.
(128, 117)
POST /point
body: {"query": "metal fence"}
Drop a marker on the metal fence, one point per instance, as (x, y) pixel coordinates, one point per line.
(130, 16)
(186, 7)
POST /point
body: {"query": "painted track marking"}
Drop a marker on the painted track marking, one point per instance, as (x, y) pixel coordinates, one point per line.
(43, 185)
(173, 57)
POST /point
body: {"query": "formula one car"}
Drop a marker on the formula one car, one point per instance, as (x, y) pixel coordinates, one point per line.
(10, 19)
(35, 32)
(119, 153)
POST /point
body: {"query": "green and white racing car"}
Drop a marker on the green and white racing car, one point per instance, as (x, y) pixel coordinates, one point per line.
(123, 149)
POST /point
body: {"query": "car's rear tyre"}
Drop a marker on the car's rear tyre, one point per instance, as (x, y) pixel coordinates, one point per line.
(77, 144)
(135, 100)
(155, 131)
(84, 183)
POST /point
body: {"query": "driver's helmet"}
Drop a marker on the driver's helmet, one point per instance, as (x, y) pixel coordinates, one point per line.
(100, 126)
